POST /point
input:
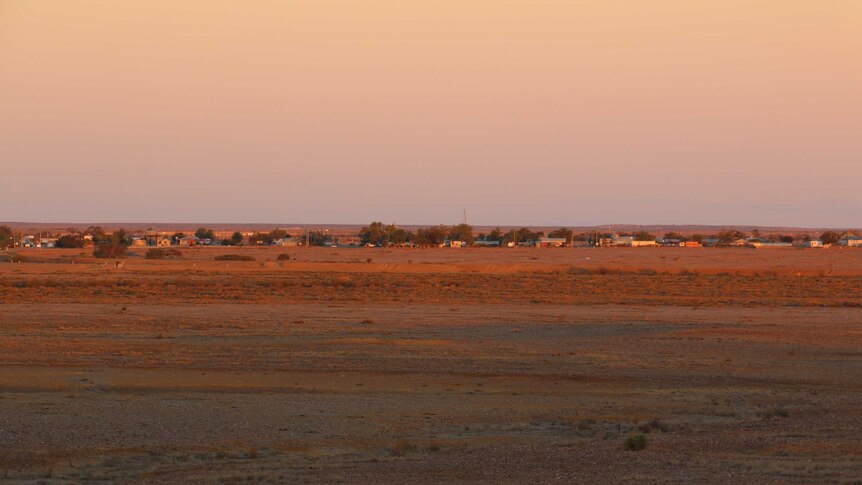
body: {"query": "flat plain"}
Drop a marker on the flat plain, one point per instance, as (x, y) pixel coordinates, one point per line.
(380, 365)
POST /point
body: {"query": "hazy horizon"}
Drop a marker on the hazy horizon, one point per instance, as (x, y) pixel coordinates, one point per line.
(221, 226)
(552, 113)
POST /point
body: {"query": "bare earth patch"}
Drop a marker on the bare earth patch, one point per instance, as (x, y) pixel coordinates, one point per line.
(456, 366)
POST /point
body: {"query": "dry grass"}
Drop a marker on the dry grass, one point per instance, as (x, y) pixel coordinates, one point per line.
(459, 366)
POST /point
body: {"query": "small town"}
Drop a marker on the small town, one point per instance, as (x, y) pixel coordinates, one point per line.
(378, 234)
(235, 245)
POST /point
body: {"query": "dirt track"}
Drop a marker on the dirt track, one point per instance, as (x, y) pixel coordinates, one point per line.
(187, 372)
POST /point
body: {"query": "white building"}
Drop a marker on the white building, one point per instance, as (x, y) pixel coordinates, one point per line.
(851, 241)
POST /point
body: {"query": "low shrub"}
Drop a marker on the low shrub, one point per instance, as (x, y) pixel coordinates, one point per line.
(774, 412)
(11, 258)
(155, 254)
(158, 253)
(110, 249)
(654, 425)
(234, 257)
(635, 442)
(283, 257)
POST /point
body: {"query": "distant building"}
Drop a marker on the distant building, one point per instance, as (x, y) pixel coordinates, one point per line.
(487, 244)
(624, 241)
(28, 242)
(814, 243)
(287, 242)
(455, 244)
(640, 244)
(188, 241)
(850, 241)
(606, 242)
(551, 242)
(770, 245)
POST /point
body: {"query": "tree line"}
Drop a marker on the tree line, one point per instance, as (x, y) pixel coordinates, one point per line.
(376, 233)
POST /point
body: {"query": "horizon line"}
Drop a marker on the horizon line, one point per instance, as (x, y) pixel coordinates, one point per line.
(315, 224)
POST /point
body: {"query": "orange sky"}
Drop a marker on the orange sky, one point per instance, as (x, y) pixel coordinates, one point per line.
(523, 112)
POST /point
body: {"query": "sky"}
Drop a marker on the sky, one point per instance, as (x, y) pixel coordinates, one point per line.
(525, 112)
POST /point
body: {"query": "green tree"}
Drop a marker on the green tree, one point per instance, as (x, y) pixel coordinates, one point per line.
(319, 238)
(830, 237)
(374, 233)
(644, 236)
(277, 234)
(70, 241)
(234, 240)
(399, 236)
(729, 236)
(114, 246)
(495, 235)
(431, 236)
(564, 233)
(260, 238)
(204, 233)
(97, 233)
(522, 235)
(462, 232)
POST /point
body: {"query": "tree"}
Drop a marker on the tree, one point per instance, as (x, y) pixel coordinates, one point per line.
(114, 246)
(399, 236)
(431, 236)
(70, 241)
(260, 238)
(644, 236)
(122, 236)
(522, 235)
(204, 233)
(234, 240)
(374, 233)
(277, 234)
(495, 235)
(830, 237)
(462, 232)
(319, 238)
(729, 236)
(562, 232)
(6, 238)
(97, 233)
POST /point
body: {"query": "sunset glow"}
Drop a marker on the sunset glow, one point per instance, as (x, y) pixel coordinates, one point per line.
(344, 111)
